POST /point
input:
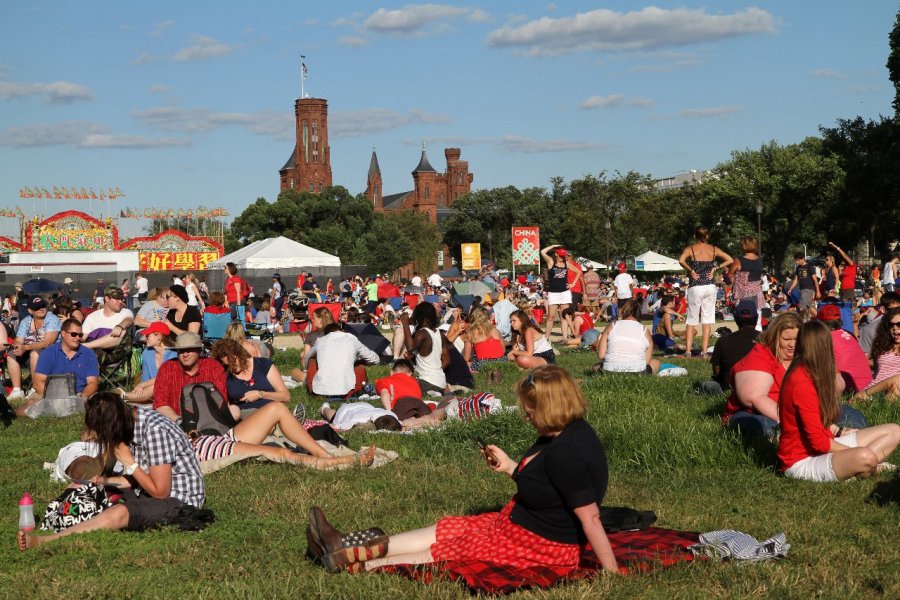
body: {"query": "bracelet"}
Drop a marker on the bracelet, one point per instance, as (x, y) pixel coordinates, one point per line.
(839, 432)
(260, 394)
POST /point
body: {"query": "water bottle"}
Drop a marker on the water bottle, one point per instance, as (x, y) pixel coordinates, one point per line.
(26, 513)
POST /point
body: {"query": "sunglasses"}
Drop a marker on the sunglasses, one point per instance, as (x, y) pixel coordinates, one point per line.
(74, 334)
(895, 324)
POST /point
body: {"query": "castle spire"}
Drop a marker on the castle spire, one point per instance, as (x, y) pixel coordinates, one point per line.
(424, 166)
(374, 169)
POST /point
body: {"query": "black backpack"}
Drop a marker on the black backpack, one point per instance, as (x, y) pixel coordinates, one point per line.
(204, 411)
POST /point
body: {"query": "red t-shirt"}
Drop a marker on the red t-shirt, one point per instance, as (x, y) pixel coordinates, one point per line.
(848, 277)
(230, 292)
(758, 359)
(400, 385)
(851, 361)
(802, 432)
(586, 323)
(573, 278)
(171, 378)
(216, 310)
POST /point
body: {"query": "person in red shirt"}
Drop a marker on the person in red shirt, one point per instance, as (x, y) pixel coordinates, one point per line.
(850, 360)
(848, 275)
(173, 375)
(812, 446)
(401, 393)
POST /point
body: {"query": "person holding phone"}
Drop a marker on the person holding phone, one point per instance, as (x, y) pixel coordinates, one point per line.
(561, 482)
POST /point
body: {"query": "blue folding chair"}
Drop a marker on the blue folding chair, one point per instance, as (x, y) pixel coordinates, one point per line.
(214, 326)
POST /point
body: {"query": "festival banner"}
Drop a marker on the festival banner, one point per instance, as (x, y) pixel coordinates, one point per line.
(526, 246)
(176, 261)
(471, 257)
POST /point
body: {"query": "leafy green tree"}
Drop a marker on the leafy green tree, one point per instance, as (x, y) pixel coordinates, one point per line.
(386, 246)
(423, 236)
(893, 64)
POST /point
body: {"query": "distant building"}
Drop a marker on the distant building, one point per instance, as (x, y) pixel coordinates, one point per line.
(433, 193)
(309, 166)
(680, 180)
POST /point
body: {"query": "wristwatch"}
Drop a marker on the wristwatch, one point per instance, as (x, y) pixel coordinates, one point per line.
(129, 470)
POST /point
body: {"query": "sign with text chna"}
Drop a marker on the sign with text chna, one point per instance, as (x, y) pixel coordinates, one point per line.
(526, 246)
(471, 257)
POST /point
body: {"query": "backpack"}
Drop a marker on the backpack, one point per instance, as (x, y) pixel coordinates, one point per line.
(204, 411)
(246, 289)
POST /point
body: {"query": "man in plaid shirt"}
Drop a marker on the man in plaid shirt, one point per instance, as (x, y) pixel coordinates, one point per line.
(189, 368)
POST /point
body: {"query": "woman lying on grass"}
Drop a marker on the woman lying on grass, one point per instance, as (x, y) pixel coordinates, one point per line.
(561, 482)
(159, 463)
(812, 447)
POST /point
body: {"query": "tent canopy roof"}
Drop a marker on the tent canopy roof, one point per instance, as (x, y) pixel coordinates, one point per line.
(277, 253)
(652, 261)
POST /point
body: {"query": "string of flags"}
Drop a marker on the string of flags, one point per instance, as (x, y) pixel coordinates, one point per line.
(170, 213)
(70, 193)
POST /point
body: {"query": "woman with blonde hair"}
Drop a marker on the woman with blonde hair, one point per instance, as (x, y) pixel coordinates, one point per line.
(812, 446)
(701, 294)
(560, 481)
(626, 345)
(483, 341)
(255, 348)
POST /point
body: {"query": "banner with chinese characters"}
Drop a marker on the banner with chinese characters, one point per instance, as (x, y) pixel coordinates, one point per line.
(176, 261)
(526, 246)
(471, 257)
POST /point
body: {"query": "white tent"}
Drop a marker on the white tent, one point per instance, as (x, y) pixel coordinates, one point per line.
(276, 253)
(651, 261)
(586, 261)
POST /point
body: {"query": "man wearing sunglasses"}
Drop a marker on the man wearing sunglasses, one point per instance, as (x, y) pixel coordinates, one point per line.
(69, 356)
(105, 327)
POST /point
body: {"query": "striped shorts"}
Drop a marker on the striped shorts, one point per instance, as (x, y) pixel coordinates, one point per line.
(211, 447)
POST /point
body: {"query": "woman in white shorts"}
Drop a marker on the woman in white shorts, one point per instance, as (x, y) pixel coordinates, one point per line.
(811, 446)
(559, 295)
(701, 294)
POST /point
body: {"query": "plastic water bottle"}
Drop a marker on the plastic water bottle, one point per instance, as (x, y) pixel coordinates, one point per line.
(26, 513)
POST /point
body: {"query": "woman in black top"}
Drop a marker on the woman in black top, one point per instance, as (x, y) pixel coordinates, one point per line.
(561, 482)
(559, 293)
(182, 317)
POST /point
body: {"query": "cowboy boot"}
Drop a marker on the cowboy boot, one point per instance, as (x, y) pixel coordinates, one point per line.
(338, 550)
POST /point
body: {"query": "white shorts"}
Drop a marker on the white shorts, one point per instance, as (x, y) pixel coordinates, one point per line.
(818, 468)
(701, 305)
(559, 297)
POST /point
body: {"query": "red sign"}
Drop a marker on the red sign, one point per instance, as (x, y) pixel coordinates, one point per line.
(176, 261)
(526, 246)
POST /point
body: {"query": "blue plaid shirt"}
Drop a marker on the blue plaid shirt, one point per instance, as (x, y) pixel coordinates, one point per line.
(159, 441)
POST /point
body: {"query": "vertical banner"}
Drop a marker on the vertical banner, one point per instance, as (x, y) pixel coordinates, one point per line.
(526, 246)
(471, 257)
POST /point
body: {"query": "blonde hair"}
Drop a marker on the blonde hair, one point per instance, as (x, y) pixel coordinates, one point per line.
(772, 334)
(235, 331)
(324, 315)
(554, 397)
(480, 324)
(749, 245)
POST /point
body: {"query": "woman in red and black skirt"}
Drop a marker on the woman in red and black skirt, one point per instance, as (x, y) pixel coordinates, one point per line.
(561, 482)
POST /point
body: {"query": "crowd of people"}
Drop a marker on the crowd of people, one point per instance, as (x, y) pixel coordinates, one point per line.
(801, 351)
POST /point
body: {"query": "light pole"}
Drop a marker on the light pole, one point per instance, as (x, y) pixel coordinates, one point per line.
(608, 228)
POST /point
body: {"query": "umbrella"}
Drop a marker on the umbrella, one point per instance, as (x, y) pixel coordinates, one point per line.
(475, 288)
(464, 301)
(388, 290)
(40, 285)
(369, 336)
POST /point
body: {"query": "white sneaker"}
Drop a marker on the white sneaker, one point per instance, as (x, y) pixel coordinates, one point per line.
(16, 394)
(325, 406)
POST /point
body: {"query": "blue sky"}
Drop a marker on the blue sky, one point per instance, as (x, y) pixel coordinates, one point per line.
(182, 104)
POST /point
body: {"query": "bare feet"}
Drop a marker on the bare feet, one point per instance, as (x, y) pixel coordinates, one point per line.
(27, 540)
(366, 458)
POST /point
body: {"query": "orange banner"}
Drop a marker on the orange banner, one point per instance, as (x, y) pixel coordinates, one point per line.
(176, 261)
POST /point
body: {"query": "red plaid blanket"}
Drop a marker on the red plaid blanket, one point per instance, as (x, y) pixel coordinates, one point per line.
(636, 552)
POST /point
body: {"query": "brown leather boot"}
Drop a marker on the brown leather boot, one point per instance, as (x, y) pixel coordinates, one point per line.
(338, 550)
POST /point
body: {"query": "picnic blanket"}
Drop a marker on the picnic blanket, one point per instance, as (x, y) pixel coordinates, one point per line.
(636, 552)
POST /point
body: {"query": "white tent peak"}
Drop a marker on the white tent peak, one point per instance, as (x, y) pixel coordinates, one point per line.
(277, 253)
(653, 261)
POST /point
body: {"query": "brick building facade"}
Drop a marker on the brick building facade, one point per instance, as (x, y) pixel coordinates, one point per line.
(433, 193)
(309, 167)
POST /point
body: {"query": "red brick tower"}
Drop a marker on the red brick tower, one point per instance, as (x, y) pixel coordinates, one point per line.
(373, 183)
(426, 193)
(309, 167)
(459, 180)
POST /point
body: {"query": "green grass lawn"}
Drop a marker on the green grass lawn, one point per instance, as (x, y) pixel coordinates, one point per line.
(667, 452)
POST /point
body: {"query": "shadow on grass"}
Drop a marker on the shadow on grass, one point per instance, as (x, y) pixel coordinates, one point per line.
(886, 493)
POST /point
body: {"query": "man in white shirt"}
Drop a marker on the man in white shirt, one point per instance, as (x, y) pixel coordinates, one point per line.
(105, 328)
(435, 280)
(335, 354)
(416, 281)
(889, 273)
(624, 284)
(142, 288)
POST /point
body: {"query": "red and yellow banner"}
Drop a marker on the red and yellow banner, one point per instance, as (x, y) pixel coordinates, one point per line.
(526, 246)
(176, 261)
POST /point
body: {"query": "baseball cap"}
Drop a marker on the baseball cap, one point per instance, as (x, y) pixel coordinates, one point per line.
(746, 309)
(67, 280)
(114, 291)
(622, 268)
(37, 303)
(561, 252)
(276, 276)
(156, 327)
(829, 312)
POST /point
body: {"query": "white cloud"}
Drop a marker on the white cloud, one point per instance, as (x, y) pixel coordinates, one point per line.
(413, 19)
(703, 113)
(825, 73)
(58, 92)
(353, 41)
(480, 16)
(80, 134)
(161, 27)
(279, 125)
(203, 48)
(143, 58)
(159, 88)
(360, 122)
(608, 31)
(614, 100)
(521, 144)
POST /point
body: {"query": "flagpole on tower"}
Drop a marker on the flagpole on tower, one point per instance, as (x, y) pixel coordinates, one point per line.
(302, 76)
